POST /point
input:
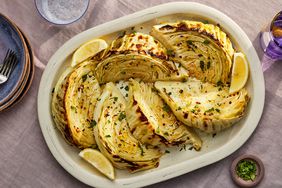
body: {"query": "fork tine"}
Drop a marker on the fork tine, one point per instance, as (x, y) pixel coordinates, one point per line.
(7, 64)
(5, 59)
(13, 64)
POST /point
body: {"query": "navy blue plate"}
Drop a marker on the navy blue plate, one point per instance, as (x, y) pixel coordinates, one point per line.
(10, 38)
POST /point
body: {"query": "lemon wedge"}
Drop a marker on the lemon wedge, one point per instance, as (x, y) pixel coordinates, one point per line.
(240, 72)
(87, 50)
(99, 161)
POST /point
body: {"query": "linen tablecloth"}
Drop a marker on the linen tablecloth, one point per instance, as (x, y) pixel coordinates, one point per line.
(25, 160)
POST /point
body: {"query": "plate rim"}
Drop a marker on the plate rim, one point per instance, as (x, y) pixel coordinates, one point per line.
(25, 60)
(25, 88)
(125, 22)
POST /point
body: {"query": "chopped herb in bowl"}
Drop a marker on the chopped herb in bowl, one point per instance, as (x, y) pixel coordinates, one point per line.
(246, 169)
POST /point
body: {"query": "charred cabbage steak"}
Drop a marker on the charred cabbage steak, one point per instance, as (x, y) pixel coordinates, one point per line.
(80, 99)
(203, 105)
(203, 49)
(137, 55)
(152, 119)
(113, 135)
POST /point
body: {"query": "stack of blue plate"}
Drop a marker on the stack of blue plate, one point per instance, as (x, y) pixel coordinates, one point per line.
(13, 90)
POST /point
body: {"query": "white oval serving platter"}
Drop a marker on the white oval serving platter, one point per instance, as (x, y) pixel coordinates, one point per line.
(176, 162)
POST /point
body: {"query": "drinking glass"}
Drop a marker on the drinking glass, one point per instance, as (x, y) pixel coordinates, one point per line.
(271, 40)
(62, 12)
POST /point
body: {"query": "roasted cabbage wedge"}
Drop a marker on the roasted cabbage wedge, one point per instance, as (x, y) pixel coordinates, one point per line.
(203, 49)
(113, 135)
(151, 120)
(137, 55)
(80, 100)
(205, 106)
(58, 105)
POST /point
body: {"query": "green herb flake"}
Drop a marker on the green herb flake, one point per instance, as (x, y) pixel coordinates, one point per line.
(84, 77)
(166, 133)
(210, 110)
(126, 88)
(115, 99)
(166, 151)
(217, 110)
(206, 42)
(123, 72)
(193, 110)
(202, 65)
(121, 116)
(205, 21)
(166, 108)
(108, 136)
(121, 34)
(93, 123)
(189, 42)
(74, 108)
(169, 52)
(246, 169)
(142, 150)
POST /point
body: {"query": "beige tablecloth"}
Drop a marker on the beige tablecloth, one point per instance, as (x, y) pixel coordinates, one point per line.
(25, 160)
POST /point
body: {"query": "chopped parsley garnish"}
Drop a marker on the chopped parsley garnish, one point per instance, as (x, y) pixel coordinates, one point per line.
(169, 52)
(121, 116)
(126, 88)
(166, 108)
(108, 136)
(142, 151)
(210, 110)
(166, 133)
(217, 110)
(93, 123)
(205, 21)
(246, 170)
(115, 99)
(74, 108)
(189, 42)
(84, 77)
(166, 151)
(202, 65)
(122, 33)
(193, 110)
(123, 72)
(206, 42)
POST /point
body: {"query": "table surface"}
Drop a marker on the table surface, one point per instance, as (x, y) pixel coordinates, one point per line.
(25, 160)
